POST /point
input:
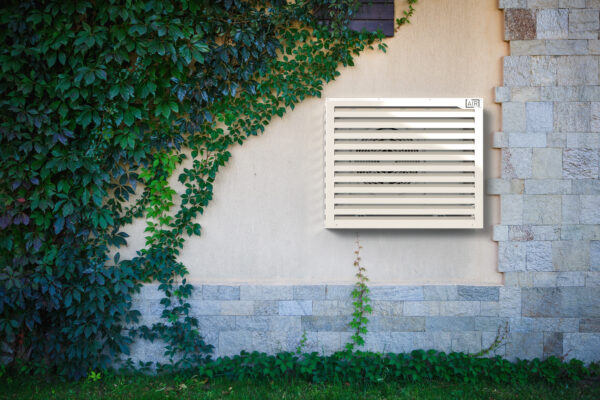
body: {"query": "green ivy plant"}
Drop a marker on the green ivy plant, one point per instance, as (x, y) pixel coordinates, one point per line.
(360, 303)
(100, 104)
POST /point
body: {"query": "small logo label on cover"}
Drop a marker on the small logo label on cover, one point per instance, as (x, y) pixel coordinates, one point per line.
(472, 103)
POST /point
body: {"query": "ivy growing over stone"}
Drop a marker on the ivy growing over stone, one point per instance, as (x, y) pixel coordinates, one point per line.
(100, 103)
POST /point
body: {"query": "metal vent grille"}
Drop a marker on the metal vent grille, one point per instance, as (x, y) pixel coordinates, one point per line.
(404, 163)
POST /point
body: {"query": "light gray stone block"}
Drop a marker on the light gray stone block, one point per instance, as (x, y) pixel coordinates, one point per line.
(499, 140)
(556, 139)
(478, 293)
(220, 292)
(510, 302)
(543, 71)
(524, 345)
(590, 209)
(552, 24)
(525, 93)
(582, 346)
(497, 186)
(513, 117)
(295, 307)
(466, 342)
(583, 24)
(539, 256)
(216, 323)
(150, 291)
(570, 209)
(592, 278)
(567, 302)
(400, 342)
(571, 255)
(542, 4)
(332, 307)
(516, 279)
(205, 307)
(589, 325)
(387, 308)
(490, 324)
(566, 47)
(527, 47)
(526, 139)
(542, 209)
(572, 117)
(326, 323)
(590, 93)
(580, 163)
(450, 324)
(512, 4)
(502, 94)
(397, 293)
(517, 71)
(439, 292)
(586, 186)
(545, 279)
(310, 292)
(516, 163)
(546, 163)
(595, 254)
(490, 308)
(580, 232)
(421, 308)
(594, 117)
(511, 256)
(266, 307)
(396, 324)
(243, 307)
(324, 342)
(460, 308)
(594, 47)
(339, 292)
(576, 278)
(500, 233)
(545, 232)
(561, 93)
(520, 233)
(583, 140)
(571, 3)
(548, 186)
(255, 292)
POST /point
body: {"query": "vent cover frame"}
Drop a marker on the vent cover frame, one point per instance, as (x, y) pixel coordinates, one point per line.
(404, 163)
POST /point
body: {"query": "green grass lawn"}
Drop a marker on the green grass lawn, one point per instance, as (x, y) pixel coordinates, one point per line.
(174, 387)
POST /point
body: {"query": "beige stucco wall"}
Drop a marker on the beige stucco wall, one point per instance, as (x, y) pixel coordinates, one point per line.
(266, 224)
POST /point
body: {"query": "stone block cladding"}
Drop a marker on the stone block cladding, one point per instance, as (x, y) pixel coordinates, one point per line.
(548, 238)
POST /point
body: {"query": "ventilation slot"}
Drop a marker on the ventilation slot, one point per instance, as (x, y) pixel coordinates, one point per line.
(404, 163)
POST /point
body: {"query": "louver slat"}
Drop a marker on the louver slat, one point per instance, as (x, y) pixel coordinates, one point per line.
(404, 163)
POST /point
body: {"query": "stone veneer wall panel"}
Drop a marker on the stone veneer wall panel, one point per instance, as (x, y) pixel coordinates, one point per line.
(549, 237)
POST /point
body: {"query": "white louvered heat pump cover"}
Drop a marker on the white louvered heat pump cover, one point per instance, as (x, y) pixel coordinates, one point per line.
(404, 163)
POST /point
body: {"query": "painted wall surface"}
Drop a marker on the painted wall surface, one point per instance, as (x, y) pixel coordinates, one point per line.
(265, 224)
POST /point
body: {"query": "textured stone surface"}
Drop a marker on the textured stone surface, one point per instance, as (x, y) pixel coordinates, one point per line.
(595, 117)
(577, 70)
(546, 163)
(519, 24)
(397, 293)
(570, 255)
(542, 209)
(524, 345)
(572, 117)
(513, 117)
(516, 163)
(512, 209)
(295, 307)
(583, 24)
(589, 325)
(561, 302)
(512, 256)
(539, 256)
(583, 346)
(552, 24)
(220, 292)
(580, 163)
(517, 71)
(310, 292)
(473, 293)
(590, 209)
(566, 47)
(256, 292)
(571, 207)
